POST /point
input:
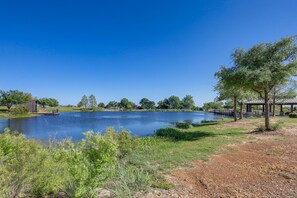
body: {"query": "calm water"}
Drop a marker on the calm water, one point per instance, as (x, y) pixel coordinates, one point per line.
(74, 124)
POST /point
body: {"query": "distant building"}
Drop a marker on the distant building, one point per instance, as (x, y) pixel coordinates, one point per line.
(32, 106)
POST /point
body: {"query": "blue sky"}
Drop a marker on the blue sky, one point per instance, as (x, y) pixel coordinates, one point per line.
(133, 49)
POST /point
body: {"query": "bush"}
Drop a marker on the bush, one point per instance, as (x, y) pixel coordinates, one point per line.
(183, 125)
(28, 169)
(273, 127)
(260, 128)
(170, 133)
(128, 180)
(19, 110)
(293, 115)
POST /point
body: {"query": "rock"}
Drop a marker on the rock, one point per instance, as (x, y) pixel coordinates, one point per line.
(103, 193)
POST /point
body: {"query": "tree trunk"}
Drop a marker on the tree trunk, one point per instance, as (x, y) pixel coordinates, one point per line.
(234, 108)
(241, 110)
(267, 122)
(273, 108)
(8, 106)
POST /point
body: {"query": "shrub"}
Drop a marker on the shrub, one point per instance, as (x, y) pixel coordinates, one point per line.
(170, 133)
(183, 125)
(260, 128)
(277, 126)
(125, 142)
(19, 110)
(128, 180)
(273, 127)
(26, 168)
(293, 115)
(29, 169)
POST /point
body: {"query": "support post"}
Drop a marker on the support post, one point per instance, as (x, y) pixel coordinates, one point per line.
(292, 108)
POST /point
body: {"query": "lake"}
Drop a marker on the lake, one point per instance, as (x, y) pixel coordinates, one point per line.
(73, 124)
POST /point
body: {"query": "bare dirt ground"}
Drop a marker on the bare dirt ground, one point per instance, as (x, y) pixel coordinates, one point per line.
(266, 166)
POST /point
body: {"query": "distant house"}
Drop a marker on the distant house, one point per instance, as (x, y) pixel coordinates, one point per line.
(32, 106)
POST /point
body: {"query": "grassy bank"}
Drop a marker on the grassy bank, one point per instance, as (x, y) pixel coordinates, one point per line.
(5, 114)
(115, 161)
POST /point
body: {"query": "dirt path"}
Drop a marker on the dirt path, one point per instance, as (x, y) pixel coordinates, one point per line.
(265, 167)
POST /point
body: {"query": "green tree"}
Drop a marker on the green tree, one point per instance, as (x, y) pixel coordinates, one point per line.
(124, 103)
(212, 106)
(228, 104)
(101, 105)
(43, 102)
(84, 102)
(265, 66)
(188, 102)
(112, 105)
(92, 101)
(51, 102)
(14, 97)
(131, 105)
(163, 104)
(230, 87)
(146, 104)
(174, 102)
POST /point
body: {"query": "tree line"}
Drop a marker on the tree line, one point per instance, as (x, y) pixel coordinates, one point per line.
(261, 72)
(15, 97)
(173, 102)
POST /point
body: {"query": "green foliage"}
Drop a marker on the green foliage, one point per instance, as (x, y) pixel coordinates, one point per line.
(163, 185)
(182, 125)
(51, 102)
(27, 168)
(112, 105)
(293, 115)
(173, 102)
(101, 105)
(14, 97)
(146, 104)
(84, 102)
(273, 127)
(276, 126)
(265, 66)
(19, 110)
(177, 135)
(92, 101)
(126, 104)
(212, 106)
(126, 143)
(128, 180)
(188, 102)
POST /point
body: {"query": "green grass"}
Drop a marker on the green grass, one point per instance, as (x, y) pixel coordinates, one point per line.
(5, 114)
(199, 143)
(62, 109)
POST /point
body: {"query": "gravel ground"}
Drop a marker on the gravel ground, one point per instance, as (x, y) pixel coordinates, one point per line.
(263, 167)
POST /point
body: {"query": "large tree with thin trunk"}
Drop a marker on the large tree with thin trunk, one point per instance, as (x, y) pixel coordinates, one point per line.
(14, 97)
(92, 101)
(84, 102)
(265, 66)
(230, 87)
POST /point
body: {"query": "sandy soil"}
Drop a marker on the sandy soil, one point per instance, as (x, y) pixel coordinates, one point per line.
(263, 167)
